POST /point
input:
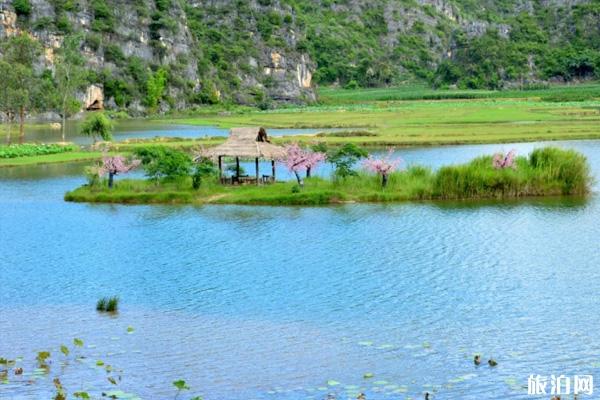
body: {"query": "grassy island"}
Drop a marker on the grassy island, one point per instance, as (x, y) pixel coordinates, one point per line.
(545, 172)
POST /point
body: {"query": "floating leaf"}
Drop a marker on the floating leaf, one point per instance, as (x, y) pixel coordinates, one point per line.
(81, 395)
(180, 385)
(99, 363)
(331, 382)
(368, 375)
(112, 380)
(380, 383)
(385, 346)
(426, 345)
(130, 329)
(64, 349)
(78, 342)
(42, 356)
(365, 343)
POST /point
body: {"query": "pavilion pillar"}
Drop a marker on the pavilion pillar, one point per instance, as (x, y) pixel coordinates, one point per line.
(220, 167)
(237, 168)
(256, 165)
(273, 169)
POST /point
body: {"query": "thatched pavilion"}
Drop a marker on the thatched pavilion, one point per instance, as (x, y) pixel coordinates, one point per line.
(247, 143)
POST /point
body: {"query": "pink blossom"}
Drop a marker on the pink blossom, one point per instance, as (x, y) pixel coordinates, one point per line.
(383, 166)
(298, 159)
(501, 161)
(116, 165)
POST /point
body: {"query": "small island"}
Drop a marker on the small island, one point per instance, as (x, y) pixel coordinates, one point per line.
(176, 177)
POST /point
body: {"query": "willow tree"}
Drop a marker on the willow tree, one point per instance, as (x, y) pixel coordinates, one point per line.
(97, 126)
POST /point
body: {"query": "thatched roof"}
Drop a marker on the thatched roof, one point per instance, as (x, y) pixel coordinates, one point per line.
(243, 143)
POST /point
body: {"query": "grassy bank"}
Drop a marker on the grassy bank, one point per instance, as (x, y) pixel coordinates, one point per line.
(51, 158)
(546, 172)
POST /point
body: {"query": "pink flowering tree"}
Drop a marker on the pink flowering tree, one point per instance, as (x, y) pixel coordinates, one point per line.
(383, 166)
(115, 165)
(501, 161)
(298, 159)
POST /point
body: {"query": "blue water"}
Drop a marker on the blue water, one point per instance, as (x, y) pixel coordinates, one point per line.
(274, 302)
(142, 129)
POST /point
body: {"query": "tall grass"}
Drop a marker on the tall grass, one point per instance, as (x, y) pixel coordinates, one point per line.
(108, 304)
(546, 172)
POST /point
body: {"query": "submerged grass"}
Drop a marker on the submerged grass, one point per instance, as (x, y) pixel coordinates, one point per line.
(546, 172)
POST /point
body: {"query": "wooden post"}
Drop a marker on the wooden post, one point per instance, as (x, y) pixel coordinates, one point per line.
(237, 168)
(273, 169)
(256, 165)
(220, 168)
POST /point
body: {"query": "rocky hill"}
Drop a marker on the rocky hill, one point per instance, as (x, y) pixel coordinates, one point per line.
(262, 52)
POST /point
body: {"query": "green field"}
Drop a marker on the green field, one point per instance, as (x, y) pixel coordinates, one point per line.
(498, 117)
(51, 158)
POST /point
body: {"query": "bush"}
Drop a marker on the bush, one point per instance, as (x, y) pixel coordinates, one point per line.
(204, 169)
(164, 163)
(22, 7)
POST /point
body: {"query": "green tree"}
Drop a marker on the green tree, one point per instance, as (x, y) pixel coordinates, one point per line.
(21, 52)
(345, 158)
(9, 97)
(69, 76)
(155, 88)
(161, 162)
(97, 126)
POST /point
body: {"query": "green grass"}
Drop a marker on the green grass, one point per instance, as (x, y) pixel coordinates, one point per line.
(546, 172)
(423, 92)
(393, 117)
(51, 158)
(108, 304)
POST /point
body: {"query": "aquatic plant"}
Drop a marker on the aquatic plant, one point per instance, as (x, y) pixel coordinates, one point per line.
(116, 165)
(383, 166)
(30, 149)
(108, 304)
(500, 161)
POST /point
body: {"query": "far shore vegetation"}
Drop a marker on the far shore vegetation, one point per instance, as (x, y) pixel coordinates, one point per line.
(545, 172)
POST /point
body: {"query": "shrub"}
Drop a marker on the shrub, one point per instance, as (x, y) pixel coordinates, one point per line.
(204, 169)
(164, 163)
(22, 7)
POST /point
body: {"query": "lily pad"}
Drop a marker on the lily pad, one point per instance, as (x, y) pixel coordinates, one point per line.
(365, 343)
(331, 382)
(380, 383)
(368, 375)
(130, 330)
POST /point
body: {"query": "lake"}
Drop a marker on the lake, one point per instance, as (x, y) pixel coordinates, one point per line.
(298, 303)
(144, 129)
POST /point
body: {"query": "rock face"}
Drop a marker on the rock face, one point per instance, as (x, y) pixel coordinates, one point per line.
(94, 98)
(261, 52)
